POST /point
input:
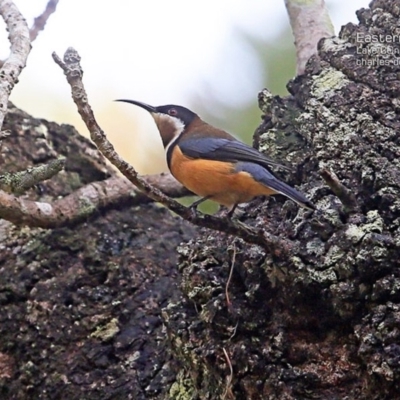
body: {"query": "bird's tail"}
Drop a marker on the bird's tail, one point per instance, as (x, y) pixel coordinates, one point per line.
(291, 193)
(263, 176)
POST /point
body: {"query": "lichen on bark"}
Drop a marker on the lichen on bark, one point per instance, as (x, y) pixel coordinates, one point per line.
(325, 324)
(83, 307)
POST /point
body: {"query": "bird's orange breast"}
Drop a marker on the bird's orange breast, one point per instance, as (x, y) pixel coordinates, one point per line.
(215, 179)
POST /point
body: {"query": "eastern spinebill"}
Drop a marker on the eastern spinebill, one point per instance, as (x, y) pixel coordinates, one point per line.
(212, 163)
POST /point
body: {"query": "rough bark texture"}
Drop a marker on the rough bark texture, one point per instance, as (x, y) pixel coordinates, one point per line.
(82, 308)
(327, 325)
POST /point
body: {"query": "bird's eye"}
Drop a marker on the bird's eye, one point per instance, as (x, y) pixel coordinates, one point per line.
(173, 112)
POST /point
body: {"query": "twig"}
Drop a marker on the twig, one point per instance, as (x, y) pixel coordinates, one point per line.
(228, 389)
(345, 195)
(228, 301)
(167, 184)
(310, 23)
(40, 22)
(20, 47)
(82, 203)
(73, 71)
(234, 331)
(19, 182)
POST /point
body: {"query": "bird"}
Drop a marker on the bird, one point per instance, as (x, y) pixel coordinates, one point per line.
(212, 163)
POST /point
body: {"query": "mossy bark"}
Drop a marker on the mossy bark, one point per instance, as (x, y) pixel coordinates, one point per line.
(80, 306)
(326, 324)
(83, 307)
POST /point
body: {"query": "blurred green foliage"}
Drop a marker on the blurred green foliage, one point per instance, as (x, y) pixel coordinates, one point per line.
(278, 65)
(277, 59)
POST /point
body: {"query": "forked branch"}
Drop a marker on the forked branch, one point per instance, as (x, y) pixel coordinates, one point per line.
(20, 48)
(73, 71)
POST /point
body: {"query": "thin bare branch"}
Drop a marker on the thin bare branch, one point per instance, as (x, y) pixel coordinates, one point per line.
(310, 23)
(347, 198)
(73, 71)
(228, 300)
(82, 203)
(20, 48)
(40, 22)
(234, 330)
(19, 182)
(228, 387)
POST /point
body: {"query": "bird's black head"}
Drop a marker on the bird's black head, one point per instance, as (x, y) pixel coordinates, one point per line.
(179, 112)
(171, 120)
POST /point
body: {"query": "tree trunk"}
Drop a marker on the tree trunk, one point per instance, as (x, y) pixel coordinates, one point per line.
(325, 323)
(80, 306)
(83, 307)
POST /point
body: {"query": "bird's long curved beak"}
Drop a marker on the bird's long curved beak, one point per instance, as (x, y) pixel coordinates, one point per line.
(147, 107)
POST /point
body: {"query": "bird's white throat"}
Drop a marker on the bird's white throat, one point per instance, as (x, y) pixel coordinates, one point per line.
(170, 128)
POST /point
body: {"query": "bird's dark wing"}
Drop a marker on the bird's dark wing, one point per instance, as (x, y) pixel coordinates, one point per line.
(225, 150)
(265, 177)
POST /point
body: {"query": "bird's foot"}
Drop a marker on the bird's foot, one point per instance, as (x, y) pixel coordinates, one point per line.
(196, 203)
(227, 213)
